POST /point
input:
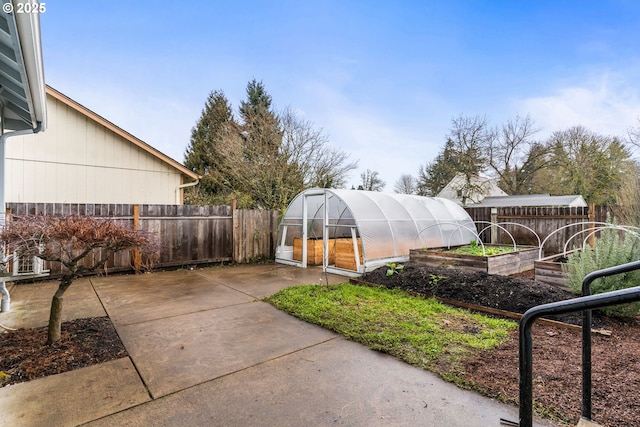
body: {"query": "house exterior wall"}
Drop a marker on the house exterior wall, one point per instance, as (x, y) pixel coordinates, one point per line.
(482, 187)
(78, 160)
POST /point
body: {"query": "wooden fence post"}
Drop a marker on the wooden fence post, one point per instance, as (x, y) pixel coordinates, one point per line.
(494, 226)
(592, 226)
(136, 226)
(234, 235)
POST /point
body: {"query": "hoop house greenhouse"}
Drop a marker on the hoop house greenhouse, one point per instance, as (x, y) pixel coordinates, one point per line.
(352, 231)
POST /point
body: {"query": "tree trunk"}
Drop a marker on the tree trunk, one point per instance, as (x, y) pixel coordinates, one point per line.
(55, 316)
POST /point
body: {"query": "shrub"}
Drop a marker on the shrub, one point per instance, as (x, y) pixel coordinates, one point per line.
(610, 249)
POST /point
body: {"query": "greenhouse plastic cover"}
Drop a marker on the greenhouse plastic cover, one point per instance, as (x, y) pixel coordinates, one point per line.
(389, 225)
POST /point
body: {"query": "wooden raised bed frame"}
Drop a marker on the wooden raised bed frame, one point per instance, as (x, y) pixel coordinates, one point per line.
(340, 252)
(549, 270)
(504, 264)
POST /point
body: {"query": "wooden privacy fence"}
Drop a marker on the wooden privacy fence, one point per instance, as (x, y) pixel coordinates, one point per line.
(185, 234)
(254, 234)
(543, 220)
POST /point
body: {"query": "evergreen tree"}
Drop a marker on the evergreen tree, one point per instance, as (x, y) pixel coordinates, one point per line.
(260, 124)
(528, 175)
(268, 175)
(206, 153)
(262, 162)
(434, 176)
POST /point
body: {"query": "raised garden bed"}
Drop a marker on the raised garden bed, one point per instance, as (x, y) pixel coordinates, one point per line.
(340, 252)
(314, 251)
(506, 264)
(550, 270)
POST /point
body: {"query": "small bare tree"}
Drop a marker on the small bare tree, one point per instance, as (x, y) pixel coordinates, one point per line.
(308, 148)
(406, 184)
(633, 136)
(83, 245)
(515, 156)
(371, 181)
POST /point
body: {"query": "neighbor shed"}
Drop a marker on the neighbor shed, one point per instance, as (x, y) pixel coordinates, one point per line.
(352, 231)
(532, 200)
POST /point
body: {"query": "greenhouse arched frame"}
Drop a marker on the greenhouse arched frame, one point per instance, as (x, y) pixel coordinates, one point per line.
(350, 232)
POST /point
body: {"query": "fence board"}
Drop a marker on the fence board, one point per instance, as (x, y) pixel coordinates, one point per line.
(543, 220)
(185, 234)
(251, 238)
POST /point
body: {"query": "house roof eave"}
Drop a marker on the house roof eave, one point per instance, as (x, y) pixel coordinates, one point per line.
(120, 132)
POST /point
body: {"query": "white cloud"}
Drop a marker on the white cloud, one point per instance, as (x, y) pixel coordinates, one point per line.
(608, 104)
(379, 140)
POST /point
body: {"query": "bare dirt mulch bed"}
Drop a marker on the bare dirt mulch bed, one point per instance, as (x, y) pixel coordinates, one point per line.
(557, 351)
(24, 356)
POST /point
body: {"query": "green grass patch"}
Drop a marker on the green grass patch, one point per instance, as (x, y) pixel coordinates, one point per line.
(421, 332)
(477, 250)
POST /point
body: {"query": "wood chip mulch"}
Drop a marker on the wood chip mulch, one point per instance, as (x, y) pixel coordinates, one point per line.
(24, 356)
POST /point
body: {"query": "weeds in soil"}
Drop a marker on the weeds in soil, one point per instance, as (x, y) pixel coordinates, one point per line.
(435, 278)
(421, 332)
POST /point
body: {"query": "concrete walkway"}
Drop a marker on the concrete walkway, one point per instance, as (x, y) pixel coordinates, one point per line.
(205, 351)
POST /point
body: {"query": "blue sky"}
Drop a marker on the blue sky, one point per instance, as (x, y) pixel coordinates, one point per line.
(383, 79)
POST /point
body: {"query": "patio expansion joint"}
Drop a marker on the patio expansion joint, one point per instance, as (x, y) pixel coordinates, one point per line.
(146, 387)
(281, 356)
(98, 296)
(141, 322)
(236, 290)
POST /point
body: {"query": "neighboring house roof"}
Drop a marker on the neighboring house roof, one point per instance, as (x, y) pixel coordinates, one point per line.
(120, 132)
(532, 200)
(483, 187)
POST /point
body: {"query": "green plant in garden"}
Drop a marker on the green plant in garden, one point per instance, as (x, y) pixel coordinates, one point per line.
(476, 250)
(611, 248)
(393, 268)
(434, 279)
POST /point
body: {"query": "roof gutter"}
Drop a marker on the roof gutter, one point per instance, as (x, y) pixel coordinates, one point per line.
(183, 186)
(28, 26)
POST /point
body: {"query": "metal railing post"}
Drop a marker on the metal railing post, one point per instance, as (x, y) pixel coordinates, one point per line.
(586, 330)
(584, 303)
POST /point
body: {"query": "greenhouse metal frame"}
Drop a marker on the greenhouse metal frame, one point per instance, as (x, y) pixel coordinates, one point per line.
(350, 232)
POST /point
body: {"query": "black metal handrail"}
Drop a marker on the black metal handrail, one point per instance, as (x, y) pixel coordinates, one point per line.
(586, 332)
(585, 303)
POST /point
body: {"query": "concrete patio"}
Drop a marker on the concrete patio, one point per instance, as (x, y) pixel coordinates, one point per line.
(204, 350)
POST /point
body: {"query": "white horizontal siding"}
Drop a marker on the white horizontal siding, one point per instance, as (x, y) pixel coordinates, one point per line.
(77, 160)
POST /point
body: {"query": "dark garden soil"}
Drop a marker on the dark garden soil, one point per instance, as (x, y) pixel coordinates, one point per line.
(24, 356)
(557, 351)
(509, 293)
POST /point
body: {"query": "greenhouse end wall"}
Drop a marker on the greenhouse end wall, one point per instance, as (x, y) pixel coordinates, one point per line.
(353, 231)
